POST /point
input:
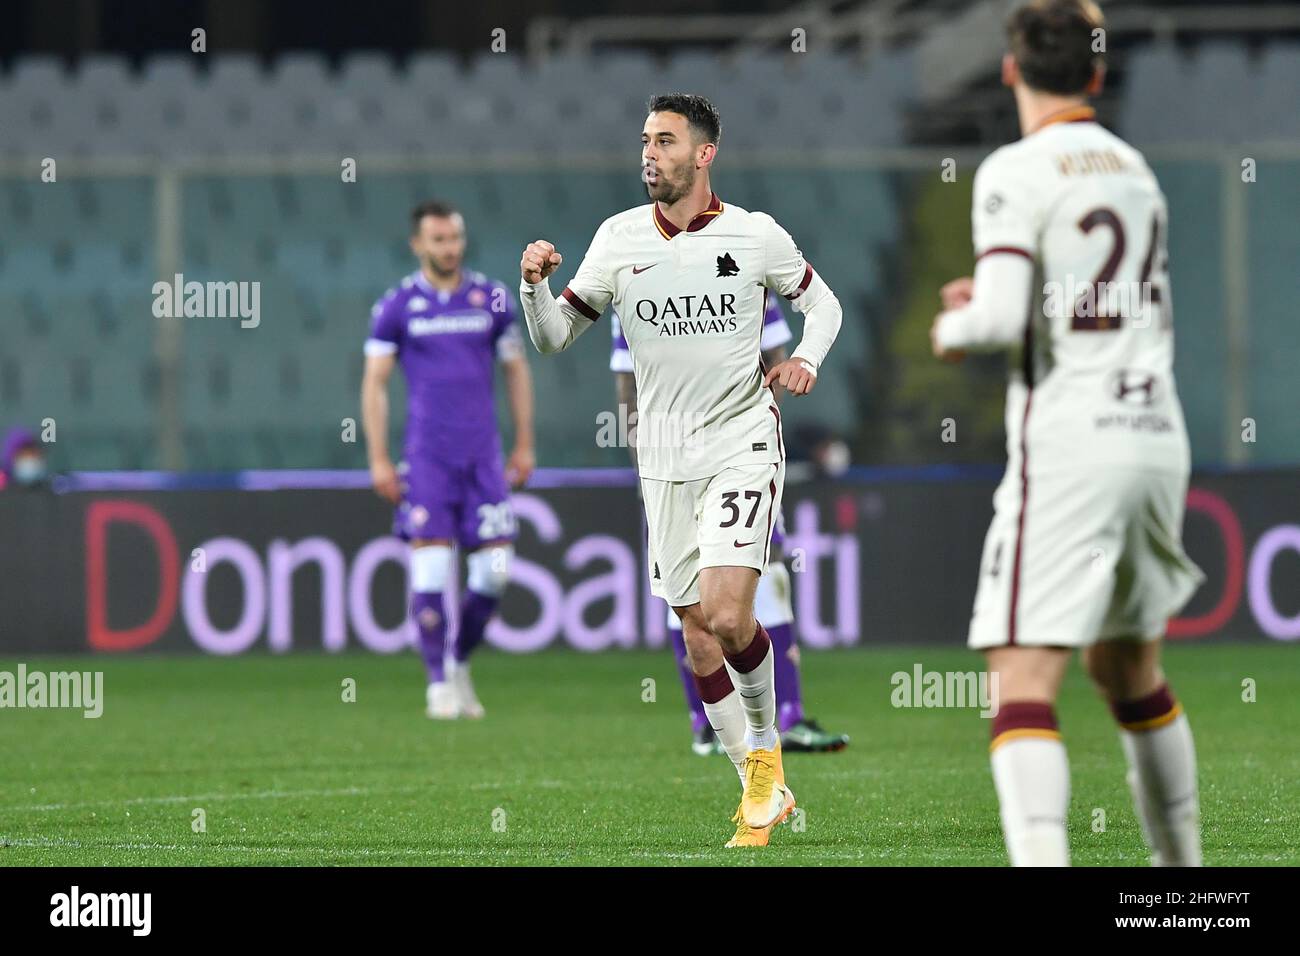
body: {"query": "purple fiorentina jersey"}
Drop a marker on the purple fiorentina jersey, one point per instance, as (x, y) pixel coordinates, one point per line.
(448, 344)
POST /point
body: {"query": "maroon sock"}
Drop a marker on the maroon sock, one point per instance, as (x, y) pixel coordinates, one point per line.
(713, 687)
(1146, 713)
(1034, 716)
(753, 655)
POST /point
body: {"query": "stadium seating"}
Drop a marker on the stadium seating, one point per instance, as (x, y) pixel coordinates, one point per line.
(434, 105)
(77, 262)
(1218, 93)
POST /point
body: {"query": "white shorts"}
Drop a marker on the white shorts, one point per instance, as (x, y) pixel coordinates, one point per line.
(722, 521)
(1087, 555)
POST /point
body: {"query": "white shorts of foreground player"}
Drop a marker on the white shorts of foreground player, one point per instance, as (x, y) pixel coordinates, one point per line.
(1077, 556)
(721, 521)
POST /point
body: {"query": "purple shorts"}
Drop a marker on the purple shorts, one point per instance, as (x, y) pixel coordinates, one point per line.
(467, 502)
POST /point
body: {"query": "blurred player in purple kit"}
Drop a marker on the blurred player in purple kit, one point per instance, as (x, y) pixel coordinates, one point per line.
(772, 603)
(447, 327)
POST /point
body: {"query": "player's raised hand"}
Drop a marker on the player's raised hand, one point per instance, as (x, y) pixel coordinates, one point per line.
(957, 293)
(539, 261)
(794, 375)
(383, 477)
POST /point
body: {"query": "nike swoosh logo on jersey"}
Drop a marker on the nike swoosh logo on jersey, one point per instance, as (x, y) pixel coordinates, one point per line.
(745, 545)
(637, 270)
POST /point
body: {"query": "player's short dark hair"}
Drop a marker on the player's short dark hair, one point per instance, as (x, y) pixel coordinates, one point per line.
(437, 208)
(1052, 43)
(701, 115)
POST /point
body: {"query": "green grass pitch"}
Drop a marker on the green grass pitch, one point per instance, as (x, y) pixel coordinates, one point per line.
(571, 766)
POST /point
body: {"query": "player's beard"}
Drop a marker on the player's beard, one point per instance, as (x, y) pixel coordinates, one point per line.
(445, 269)
(667, 191)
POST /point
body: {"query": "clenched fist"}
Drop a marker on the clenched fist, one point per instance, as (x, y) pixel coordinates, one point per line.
(539, 261)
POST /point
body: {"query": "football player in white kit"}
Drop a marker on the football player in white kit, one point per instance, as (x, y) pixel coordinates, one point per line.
(689, 276)
(772, 600)
(1085, 549)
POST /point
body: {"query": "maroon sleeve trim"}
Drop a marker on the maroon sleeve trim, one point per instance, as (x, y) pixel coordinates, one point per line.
(578, 304)
(807, 280)
(1013, 250)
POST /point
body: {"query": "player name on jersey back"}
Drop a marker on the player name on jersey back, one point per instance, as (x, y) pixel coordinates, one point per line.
(691, 304)
(1094, 382)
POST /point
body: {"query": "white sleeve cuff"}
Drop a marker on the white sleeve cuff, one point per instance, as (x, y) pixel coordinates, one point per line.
(999, 307)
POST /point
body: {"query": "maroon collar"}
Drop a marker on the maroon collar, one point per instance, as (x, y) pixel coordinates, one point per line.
(668, 230)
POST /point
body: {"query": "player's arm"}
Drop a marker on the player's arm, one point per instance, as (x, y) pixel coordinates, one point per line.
(382, 346)
(788, 274)
(555, 324)
(519, 391)
(625, 391)
(509, 345)
(989, 311)
(374, 423)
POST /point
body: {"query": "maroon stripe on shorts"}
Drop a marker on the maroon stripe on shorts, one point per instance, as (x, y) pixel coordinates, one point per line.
(1020, 525)
(780, 446)
(714, 687)
(753, 655)
(1014, 609)
(771, 490)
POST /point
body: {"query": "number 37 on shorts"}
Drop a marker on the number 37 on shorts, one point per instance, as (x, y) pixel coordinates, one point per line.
(724, 520)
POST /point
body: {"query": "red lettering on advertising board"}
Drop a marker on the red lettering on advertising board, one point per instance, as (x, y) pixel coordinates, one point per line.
(99, 515)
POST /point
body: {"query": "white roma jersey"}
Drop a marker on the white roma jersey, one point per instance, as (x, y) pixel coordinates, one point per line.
(691, 303)
(1093, 383)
